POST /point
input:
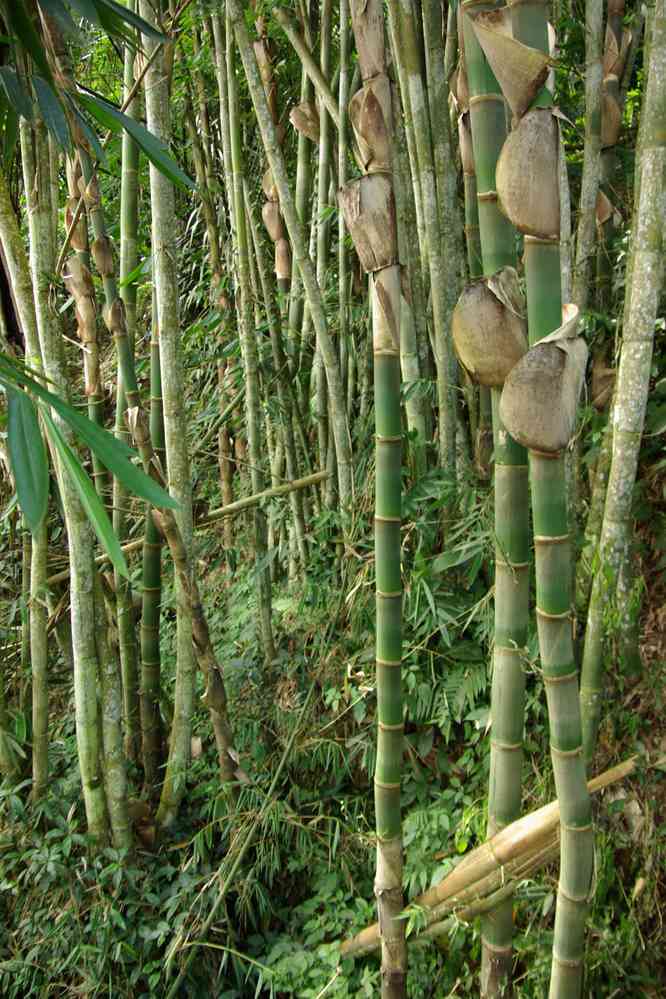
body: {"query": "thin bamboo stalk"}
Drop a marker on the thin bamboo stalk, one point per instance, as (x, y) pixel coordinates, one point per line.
(296, 236)
(250, 360)
(379, 257)
(641, 303)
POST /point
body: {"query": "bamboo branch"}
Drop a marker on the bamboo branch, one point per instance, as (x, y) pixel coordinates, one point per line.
(309, 65)
(214, 516)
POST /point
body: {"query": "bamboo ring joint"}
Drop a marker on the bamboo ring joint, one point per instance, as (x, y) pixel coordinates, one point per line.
(487, 196)
(561, 679)
(388, 520)
(566, 753)
(387, 440)
(387, 787)
(510, 747)
(391, 728)
(574, 899)
(576, 829)
(481, 98)
(550, 539)
(388, 662)
(553, 617)
(495, 948)
(388, 596)
(567, 962)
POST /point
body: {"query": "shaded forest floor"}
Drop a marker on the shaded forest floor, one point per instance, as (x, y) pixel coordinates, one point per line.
(106, 925)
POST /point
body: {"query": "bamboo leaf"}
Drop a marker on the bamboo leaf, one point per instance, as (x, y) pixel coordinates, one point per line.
(20, 25)
(110, 117)
(87, 9)
(129, 17)
(58, 11)
(112, 452)
(28, 458)
(91, 502)
(52, 112)
(17, 95)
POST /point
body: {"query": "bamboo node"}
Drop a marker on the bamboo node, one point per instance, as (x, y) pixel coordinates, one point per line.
(576, 829)
(566, 962)
(542, 240)
(495, 948)
(545, 454)
(387, 787)
(388, 520)
(566, 754)
(388, 596)
(514, 650)
(550, 539)
(388, 662)
(388, 440)
(561, 679)
(509, 747)
(487, 196)
(574, 899)
(391, 728)
(553, 617)
(480, 98)
(511, 565)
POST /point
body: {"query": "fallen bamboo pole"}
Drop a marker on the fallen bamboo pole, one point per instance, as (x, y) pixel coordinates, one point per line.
(511, 854)
(214, 516)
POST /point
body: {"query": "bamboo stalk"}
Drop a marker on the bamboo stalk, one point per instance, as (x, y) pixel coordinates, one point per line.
(250, 357)
(42, 339)
(308, 63)
(641, 303)
(511, 501)
(369, 208)
(296, 235)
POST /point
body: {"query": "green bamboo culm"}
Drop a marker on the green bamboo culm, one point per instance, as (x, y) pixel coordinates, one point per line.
(369, 208)
(488, 117)
(128, 646)
(538, 407)
(641, 308)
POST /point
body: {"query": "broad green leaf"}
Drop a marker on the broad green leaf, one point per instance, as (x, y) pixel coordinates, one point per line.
(28, 458)
(91, 502)
(90, 133)
(129, 17)
(20, 24)
(110, 117)
(88, 10)
(52, 112)
(58, 11)
(17, 95)
(112, 452)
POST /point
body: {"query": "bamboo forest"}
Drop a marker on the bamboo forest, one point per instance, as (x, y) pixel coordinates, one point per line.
(332, 499)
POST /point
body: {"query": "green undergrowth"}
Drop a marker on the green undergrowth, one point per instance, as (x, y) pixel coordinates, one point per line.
(79, 922)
